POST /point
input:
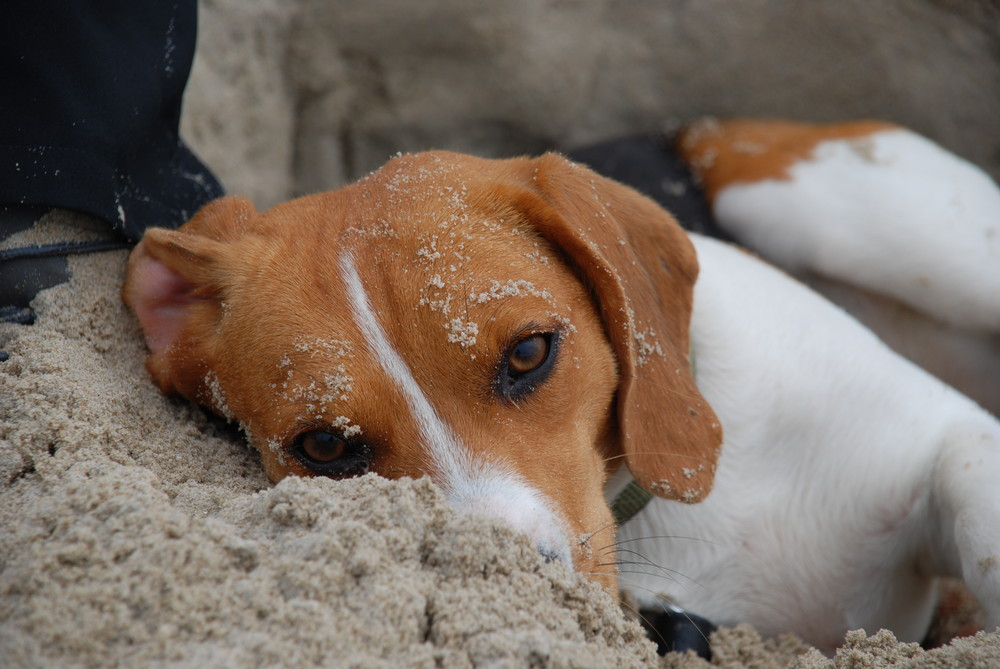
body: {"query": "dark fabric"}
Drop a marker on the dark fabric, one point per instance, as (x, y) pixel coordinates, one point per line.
(676, 631)
(649, 164)
(90, 101)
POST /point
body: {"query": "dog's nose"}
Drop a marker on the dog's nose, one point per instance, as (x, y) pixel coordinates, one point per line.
(549, 555)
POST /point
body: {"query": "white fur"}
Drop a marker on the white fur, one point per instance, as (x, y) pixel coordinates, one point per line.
(472, 485)
(876, 212)
(849, 477)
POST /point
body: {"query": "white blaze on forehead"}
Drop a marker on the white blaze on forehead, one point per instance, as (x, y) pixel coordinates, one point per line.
(472, 485)
(445, 452)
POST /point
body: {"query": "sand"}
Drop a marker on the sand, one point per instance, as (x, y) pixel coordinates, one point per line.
(136, 531)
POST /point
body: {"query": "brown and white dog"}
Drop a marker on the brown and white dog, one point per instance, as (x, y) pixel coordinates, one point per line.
(518, 329)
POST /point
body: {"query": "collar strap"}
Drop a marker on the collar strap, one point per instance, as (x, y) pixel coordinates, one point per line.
(629, 502)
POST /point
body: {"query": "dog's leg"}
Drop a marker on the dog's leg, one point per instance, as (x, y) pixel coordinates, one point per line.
(967, 495)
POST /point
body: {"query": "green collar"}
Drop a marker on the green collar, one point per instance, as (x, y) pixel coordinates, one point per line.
(629, 502)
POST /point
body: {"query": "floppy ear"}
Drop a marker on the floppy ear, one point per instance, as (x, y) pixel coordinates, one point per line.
(642, 267)
(172, 284)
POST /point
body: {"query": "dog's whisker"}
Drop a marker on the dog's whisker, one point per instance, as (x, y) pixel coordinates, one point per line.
(674, 575)
(648, 624)
(665, 571)
(610, 525)
(659, 536)
(638, 570)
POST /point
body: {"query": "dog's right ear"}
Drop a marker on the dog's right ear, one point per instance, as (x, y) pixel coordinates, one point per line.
(641, 268)
(173, 284)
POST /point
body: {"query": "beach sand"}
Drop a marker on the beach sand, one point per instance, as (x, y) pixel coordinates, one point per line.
(135, 531)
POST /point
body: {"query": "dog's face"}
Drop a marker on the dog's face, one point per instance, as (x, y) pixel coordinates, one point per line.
(512, 329)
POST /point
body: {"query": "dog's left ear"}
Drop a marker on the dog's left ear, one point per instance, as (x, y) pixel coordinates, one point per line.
(642, 268)
(173, 285)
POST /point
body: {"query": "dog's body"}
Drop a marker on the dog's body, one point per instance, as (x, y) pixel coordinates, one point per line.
(867, 478)
(518, 329)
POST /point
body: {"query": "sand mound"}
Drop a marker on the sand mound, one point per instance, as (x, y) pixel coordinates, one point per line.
(137, 532)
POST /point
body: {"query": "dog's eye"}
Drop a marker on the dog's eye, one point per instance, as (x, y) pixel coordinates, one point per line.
(526, 364)
(322, 447)
(528, 354)
(329, 454)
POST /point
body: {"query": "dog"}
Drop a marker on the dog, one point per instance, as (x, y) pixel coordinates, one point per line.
(534, 337)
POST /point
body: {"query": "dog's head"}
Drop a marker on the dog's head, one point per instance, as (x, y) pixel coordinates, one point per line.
(512, 329)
